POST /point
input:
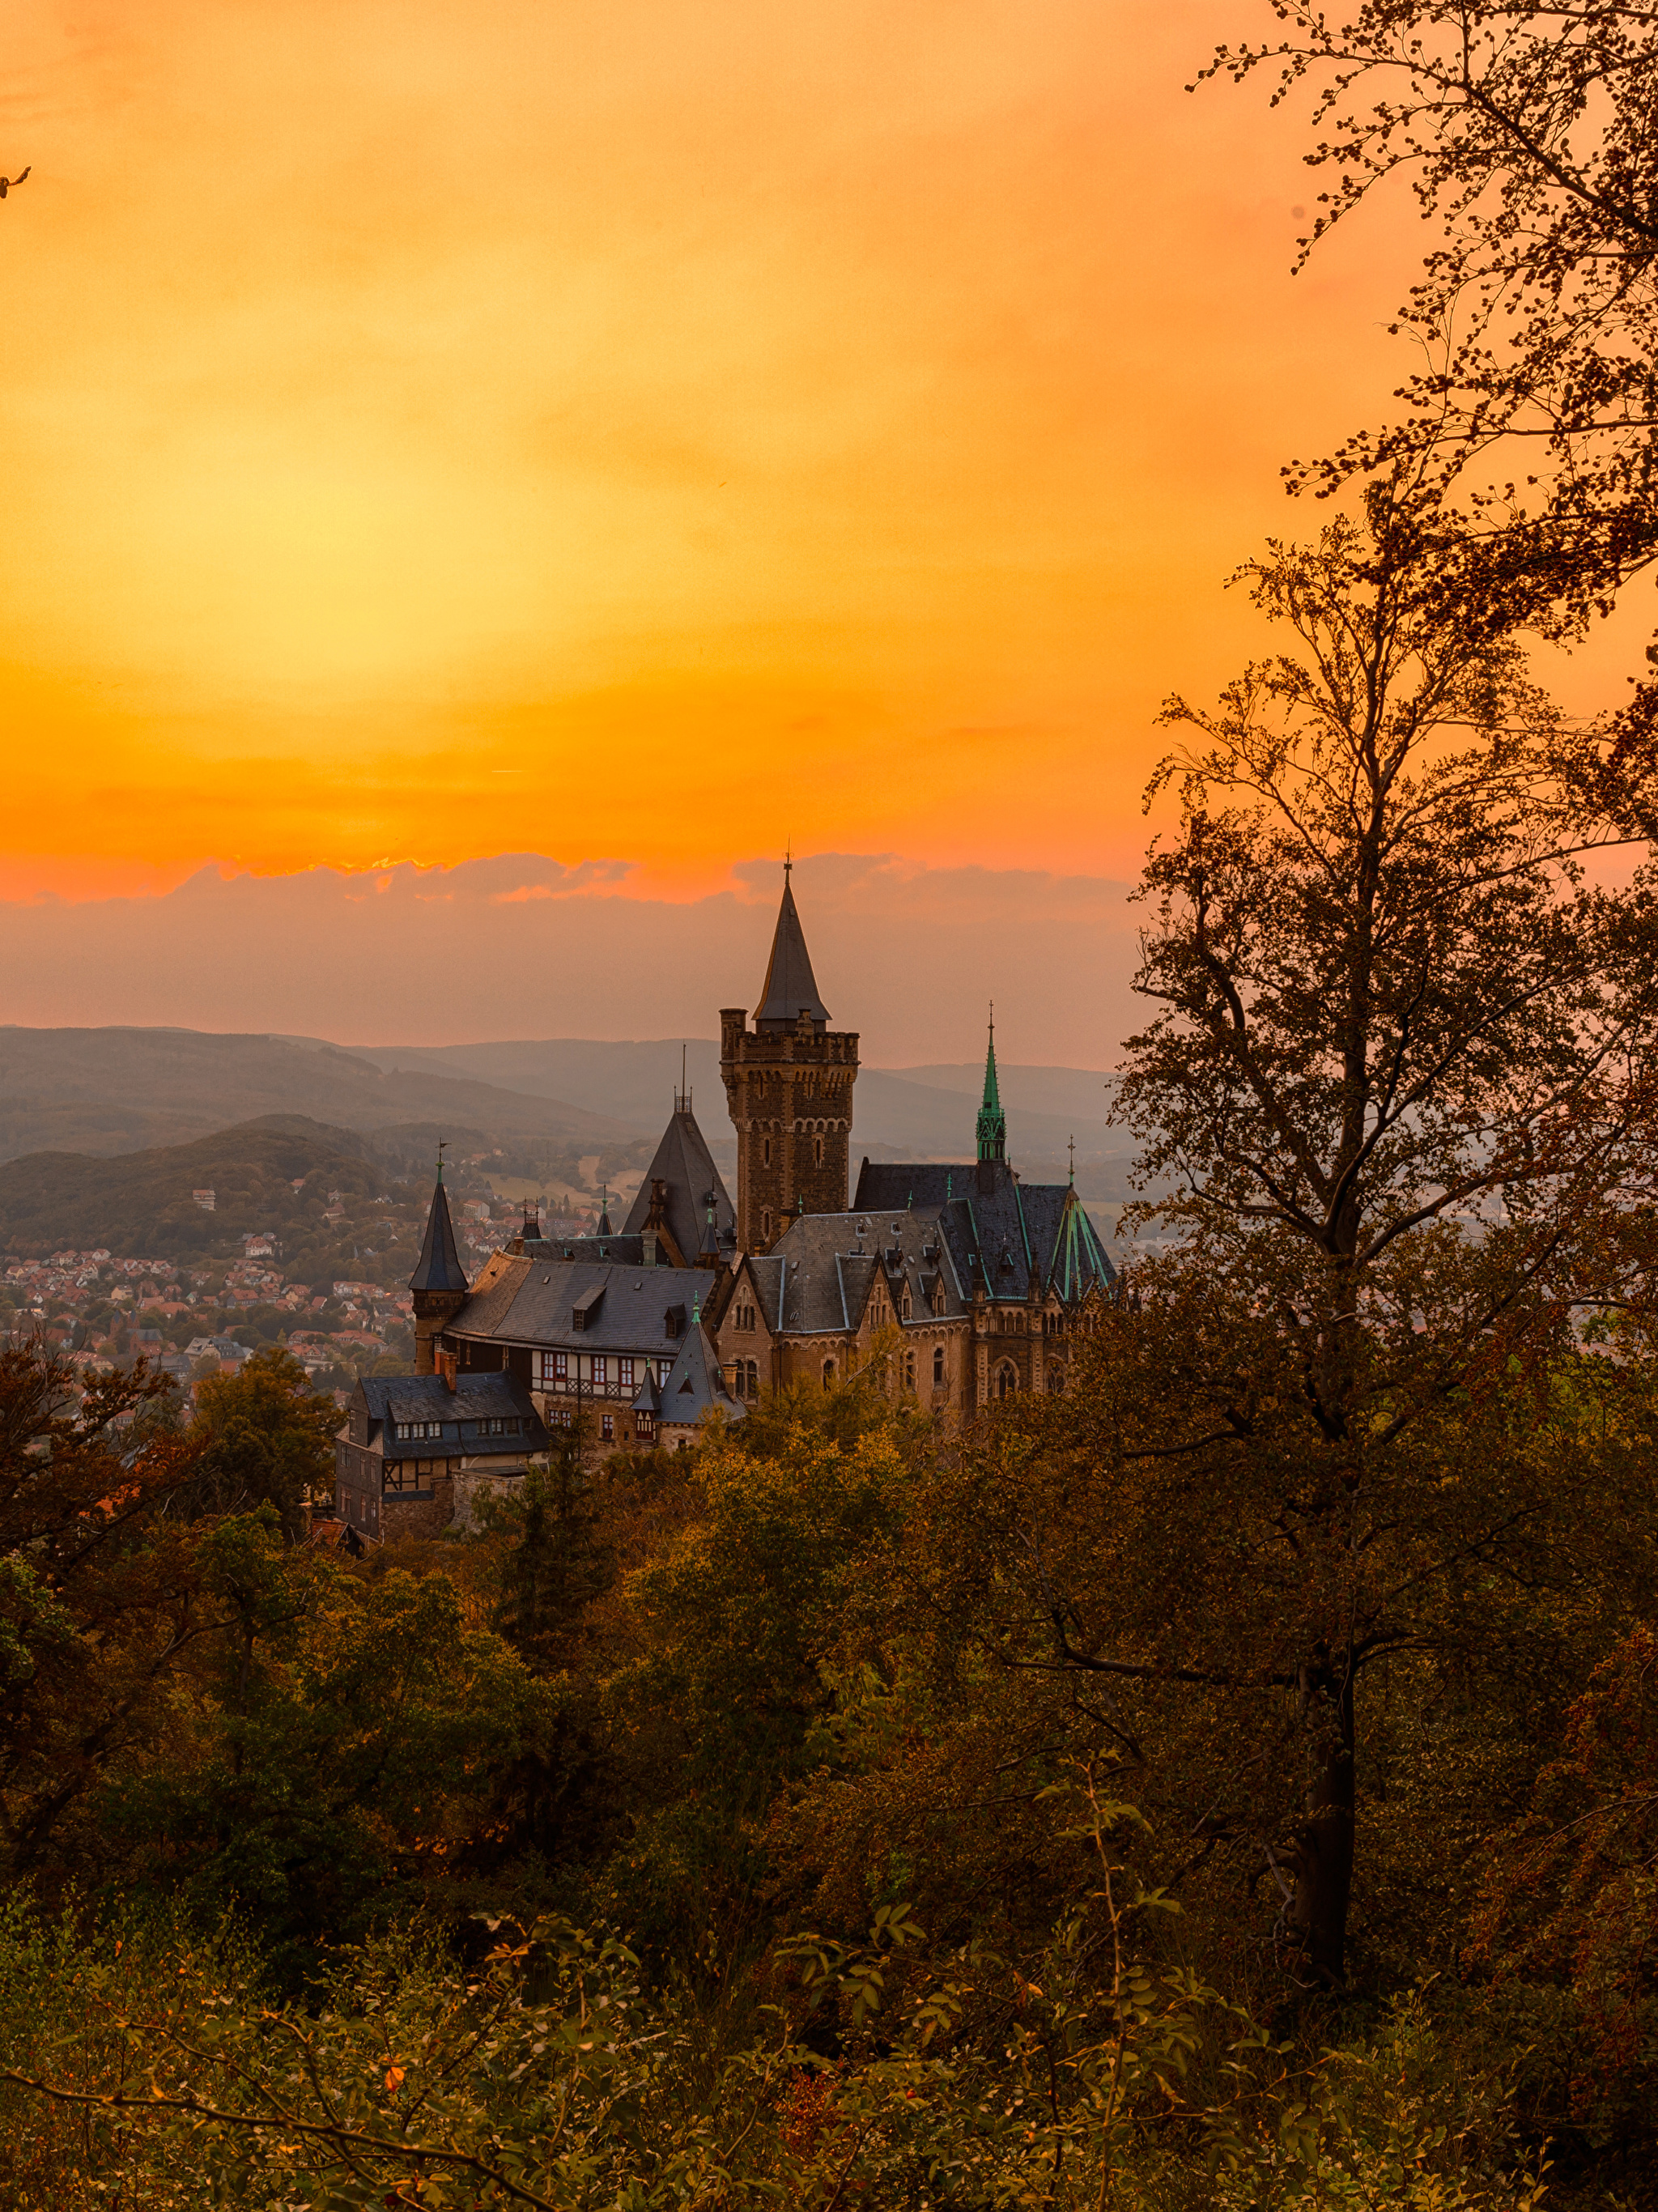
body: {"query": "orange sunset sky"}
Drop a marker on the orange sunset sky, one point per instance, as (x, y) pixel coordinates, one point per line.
(639, 431)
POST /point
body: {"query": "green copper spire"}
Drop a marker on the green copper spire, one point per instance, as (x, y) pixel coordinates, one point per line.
(993, 1122)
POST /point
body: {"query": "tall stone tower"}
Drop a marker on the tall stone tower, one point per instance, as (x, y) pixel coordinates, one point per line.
(788, 1081)
(439, 1281)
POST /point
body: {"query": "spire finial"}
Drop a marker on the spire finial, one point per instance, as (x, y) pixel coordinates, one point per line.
(443, 1146)
(1071, 1143)
(788, 861)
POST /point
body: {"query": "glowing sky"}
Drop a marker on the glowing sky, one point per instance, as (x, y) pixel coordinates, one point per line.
(638, 429)
(631, 428)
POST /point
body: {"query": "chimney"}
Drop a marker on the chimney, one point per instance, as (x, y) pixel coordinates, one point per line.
(446, 1363)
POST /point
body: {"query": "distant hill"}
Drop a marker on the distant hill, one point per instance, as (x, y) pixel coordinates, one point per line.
(141, 1204)
(114, 1090)
(914, 1113)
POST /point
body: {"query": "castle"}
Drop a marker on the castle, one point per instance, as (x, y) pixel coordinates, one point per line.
(960, 1284)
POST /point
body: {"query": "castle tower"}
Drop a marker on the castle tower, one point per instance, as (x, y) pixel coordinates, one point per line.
(439, 1281)
(788, 1081)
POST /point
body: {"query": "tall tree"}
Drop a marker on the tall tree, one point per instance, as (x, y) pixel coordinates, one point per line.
(1399, 1080)
(100, 1593)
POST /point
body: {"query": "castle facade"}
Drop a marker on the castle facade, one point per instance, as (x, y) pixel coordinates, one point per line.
(955, 1283)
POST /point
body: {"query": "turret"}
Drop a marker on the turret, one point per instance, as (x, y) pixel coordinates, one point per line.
(438, 1282)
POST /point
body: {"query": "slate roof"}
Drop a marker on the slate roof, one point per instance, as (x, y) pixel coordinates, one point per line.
(1002, 1234)
(816, 1279)
(694, 1383)
(523, 1299)
(685, 1163)
(439, 1267)
(403, 1399)
(790, 988)
(627, 1251)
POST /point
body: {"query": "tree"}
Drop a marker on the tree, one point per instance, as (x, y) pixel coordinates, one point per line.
(100, 1594)
(263, 1437)
(1400, 1079)
(1530, 136)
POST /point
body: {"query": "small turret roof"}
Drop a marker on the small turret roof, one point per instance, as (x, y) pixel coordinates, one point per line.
(695, 1384)
(791, 987)
(439, 1267)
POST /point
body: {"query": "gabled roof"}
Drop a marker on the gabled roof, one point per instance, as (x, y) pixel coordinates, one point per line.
(827, 1265)
(439, 1267)
(998, 1231)
(522, 1299)
(685, 1164)
(389, 1399)
(694, 1383)
(790, 988)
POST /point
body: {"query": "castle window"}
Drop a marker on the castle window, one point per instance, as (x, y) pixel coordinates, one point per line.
(765, 1151)
(1007, 1379)
(554, 1366)
(745, 1316)
(829, 1374)
(601, 1371)
(752, 1379)
(937, 1367)
(906, 1307)
(765, 1224)
(664, 1368)
(910, 1370)
(817, 1151)
(1056, 1380)
(607, 1428)
(624, 1372)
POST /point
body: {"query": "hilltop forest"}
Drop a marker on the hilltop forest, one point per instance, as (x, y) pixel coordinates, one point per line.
(1232, 1783)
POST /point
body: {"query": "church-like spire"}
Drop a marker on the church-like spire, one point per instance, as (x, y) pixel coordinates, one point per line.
(993, 1122)
(439, 1267)
(791, 987)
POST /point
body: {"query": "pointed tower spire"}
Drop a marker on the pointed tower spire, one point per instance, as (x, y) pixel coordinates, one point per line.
(438, 1282)
(993, 1122)
(790, 988)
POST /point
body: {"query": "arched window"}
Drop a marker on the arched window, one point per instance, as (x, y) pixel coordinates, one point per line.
(829, 1374)
(910, 1370)
(938, 1367)
(765, 1224)
(905, 1308)
(765, 1151)
(1007, 1379)
(1056, 1380)
(751, 1379)
(817, 1151)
